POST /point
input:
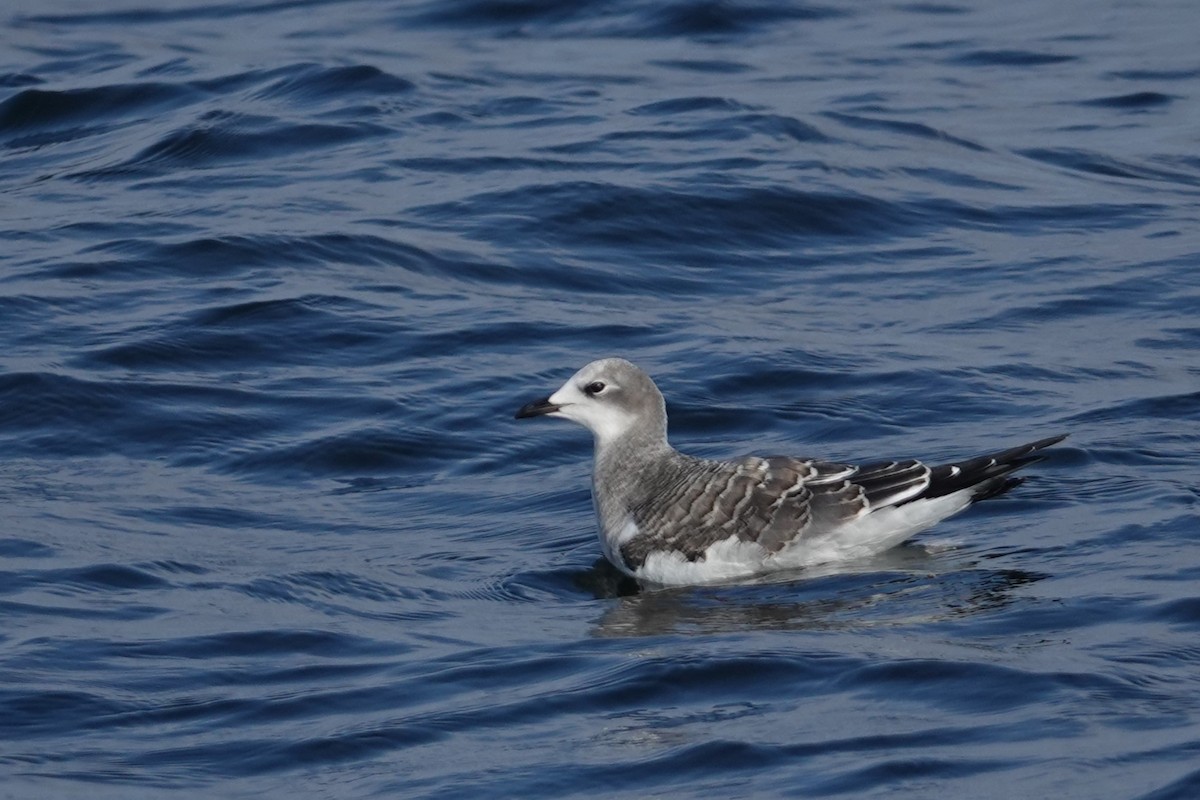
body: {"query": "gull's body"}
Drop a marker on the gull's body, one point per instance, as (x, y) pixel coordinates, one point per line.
(669, 518)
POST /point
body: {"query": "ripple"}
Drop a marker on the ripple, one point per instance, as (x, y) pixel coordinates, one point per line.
(225, 139)
(1133, 100)
(1183, 406)
(37, 117)
(1099, 164)
(917, 129)
(279, 273)
(602, 214)
(1010, 58)
(309, 82)
(1180, 789)
(24, 548)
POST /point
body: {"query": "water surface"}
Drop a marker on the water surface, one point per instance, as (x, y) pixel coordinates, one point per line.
(275, 277)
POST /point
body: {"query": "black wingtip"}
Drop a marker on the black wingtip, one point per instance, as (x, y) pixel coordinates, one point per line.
(1041, 444)
(997, 487)
(987, 473)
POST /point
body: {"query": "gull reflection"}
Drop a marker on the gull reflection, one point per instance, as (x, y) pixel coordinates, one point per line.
(908, 585)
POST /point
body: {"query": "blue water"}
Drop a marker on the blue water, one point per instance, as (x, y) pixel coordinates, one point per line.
(274, 278)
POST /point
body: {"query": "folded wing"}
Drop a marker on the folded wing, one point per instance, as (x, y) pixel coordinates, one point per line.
(774, 501)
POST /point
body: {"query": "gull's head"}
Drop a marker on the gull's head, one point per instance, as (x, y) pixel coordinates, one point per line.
(612, 398)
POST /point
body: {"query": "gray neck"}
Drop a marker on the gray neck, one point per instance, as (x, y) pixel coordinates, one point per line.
(621, 466)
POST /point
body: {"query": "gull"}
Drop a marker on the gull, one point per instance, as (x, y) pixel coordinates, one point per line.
(667, 518)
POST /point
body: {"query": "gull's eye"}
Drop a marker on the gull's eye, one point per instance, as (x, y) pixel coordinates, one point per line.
(594, 388)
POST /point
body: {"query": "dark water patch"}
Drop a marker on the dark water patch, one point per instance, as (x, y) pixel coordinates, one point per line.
(946, 9)
(77, 59)
(38, 714)
(176, 568)
(587, 278)
(606, 215)
(1184, 788)
(177, 350)
(252, 644)
(1030, 372)
(306, 83)
(214, 516)
(1099, 164)
(957, 179)
(24, 548)
(717, 18)
(531, 121)
(231, 84)
(93, 578)
(37, 117)
(1050, 619)
(684, 18)
(222, 138)
(368, 450)
(518, 106)
(171, 66)
(306, 330)
(1180, 406)
(917, 771)
(969, 687)
(728, 758)
(684, 105)
(336, 594)
(249, 757)
(717, 66)
(1117, 297)
(32, 323)
(1184, 612)
(60, 416)
(947, 45)
(442, 119)
(159, 16)
(578, 672)
(534, 586)
(1173, 339)
(224, 255)
(88, 232)
(691, 225)
(730, 765)
(41, 108)
(778, 126)
(122, 610)
(503, 17)
(1134, 100)
(334, 584)
(796, 373)
(902, 127)
(479, 165)
(1037, 219)
(654, 681)
(693, 419)
(1009, 58)
(462, 340)
(820, 386)
(725, 129)
(1183, 74)
(1155, 656)
(17, 80)
(313, 593)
